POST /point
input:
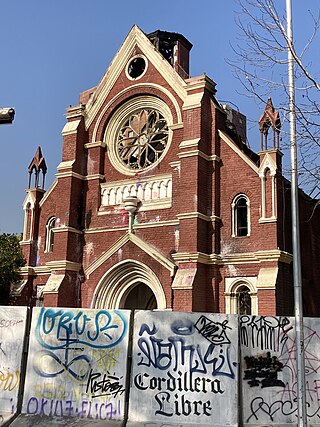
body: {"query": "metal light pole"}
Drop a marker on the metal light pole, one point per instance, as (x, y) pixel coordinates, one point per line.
(301, 391)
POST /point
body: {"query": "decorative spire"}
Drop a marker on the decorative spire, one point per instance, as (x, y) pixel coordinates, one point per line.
(37, 164)
(270, 118)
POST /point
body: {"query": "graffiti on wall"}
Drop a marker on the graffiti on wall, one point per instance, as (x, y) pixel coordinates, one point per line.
(184, 367)
(12, 330)
(77, 363)
(269, 377)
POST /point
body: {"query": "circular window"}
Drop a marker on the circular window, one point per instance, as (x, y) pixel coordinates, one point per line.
(138, 134)
(136, 67)
(142, 139)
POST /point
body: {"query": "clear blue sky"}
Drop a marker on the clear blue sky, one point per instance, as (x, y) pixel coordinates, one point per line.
(53, 50)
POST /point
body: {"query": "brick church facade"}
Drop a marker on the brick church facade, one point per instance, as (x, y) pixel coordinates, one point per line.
(158, 202)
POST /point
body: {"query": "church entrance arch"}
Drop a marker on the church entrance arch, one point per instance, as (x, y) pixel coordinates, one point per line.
(139, 297)
(131, 285)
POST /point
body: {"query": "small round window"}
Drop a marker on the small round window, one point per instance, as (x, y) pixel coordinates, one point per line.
(136, 67)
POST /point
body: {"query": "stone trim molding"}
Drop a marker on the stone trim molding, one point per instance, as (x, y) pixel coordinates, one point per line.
(193, 101)
(150, 250)
(189, 143)
(70, 127)
(135, 38)
(172, 126)
(257, 257)
(241, 258)
(48, 192)
(184, 278)
(233, 146)
(63, 265)
(66, 229)
(154, 192)
(153, 224)
(191, 215)
(199, 153)
(113, 288)
(200, 83)
(29, 200)
(69, 174)
(65, 165)
(112, 129)
(95, 144)
(53, 284)
(176, 126)
(268, 163)
(232, 284)
(192, 257)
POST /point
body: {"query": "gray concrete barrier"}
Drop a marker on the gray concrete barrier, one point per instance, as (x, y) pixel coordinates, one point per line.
(13, 322)
(184, 369)
(187, 369)
(268, 370)
(77, 367)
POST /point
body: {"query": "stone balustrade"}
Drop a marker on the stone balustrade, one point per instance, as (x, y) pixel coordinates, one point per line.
(154, 192)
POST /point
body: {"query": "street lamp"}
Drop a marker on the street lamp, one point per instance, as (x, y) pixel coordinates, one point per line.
(6, 116)
(130, 205)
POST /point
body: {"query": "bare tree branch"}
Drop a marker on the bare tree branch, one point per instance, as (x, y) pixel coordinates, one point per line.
(260, 64)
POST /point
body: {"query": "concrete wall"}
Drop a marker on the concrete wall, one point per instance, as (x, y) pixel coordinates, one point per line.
(187, 368)
(184, 368)
(268, 370)
(12, 333)
(77, 364)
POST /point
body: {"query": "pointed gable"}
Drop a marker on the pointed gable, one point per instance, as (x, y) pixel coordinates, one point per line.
(29, 201)
(137, 42)
(267, 163)
(145, 247)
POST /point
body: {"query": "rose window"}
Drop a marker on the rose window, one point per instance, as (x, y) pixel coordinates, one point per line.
(142, 139)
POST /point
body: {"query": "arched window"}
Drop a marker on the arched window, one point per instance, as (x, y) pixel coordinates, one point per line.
(27, 222)
(241, 295)
(28, 207)
(267, 174)
(241, 216)
(50, 234)
(243, 300)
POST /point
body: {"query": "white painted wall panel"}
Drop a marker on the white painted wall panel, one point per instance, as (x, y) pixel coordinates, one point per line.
(12, 332)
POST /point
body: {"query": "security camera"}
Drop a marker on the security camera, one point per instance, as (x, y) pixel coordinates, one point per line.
(6, 115)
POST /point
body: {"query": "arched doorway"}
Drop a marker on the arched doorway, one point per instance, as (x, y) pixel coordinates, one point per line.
(139, 297)
(129, 284)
